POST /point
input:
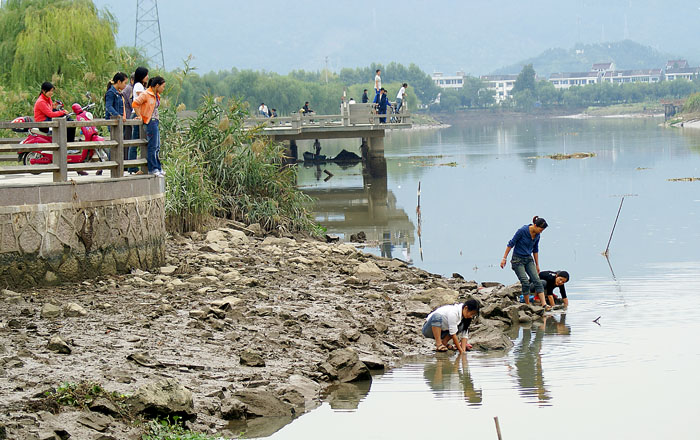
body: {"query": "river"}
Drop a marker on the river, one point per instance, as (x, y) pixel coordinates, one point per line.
(631, 374)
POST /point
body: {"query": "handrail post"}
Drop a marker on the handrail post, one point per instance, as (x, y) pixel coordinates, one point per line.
(346, 114)
(60, 158)
(143, 148)
(118, 151)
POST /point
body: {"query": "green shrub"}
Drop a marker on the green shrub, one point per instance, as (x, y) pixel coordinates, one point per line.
(165, 429)
(692, 105)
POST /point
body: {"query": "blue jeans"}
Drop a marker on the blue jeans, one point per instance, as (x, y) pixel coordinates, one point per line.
(153, 137)
(130, 152)
(376, 97)
(434, 321)
(399, 103)
(526, 271)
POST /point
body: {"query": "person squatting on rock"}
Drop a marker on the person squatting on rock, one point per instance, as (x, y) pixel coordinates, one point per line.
(525, 262)
(451, 322)
(552, 280)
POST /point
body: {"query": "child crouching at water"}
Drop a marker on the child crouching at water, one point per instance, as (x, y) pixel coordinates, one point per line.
(446, 322)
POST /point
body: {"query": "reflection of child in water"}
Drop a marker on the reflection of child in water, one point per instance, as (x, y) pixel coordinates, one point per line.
(448, 321)
(445, 376)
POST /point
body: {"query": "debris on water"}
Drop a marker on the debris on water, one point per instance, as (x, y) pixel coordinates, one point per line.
(684, 179)
(596, 320)
(643, 168)
(562, 156)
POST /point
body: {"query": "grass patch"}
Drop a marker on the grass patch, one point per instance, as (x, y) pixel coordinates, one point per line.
(647, 108)
(80, 395)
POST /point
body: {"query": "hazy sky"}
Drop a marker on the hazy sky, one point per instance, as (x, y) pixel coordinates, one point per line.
(445, 36)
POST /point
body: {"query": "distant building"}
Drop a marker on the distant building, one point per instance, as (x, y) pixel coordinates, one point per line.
(566, 80)
(500, 85)
(603, 67)
(688, 73)
(631, 76)
(448, 81)
(676, 64)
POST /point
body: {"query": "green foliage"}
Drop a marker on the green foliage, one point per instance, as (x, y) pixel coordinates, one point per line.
(525, 81)
(43, 39)
(165, 429)
(692, 105)
(81, 395)
(214, 166)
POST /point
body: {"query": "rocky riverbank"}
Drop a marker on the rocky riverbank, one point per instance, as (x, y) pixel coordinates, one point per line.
(235, 326)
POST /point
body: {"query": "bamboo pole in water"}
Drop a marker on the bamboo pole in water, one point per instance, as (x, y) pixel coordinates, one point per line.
(613, 229)
(498, 428)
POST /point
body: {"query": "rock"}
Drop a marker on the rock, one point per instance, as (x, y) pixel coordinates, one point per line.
(164, 398)
(104, 406)
(168, 270)
(344, 365)
(513, 314)
(50, 311)
(50, 277)
(233, 409)
(436, 297)
(417, 309)
(232, 275)
(512, 292)
(252, 359)
(301, 260)
(3, 432)
(372, 362)
(256, 229)
(212, 247)
(226, 303)
(238, 237)
(368, 271)
(523, 317)
(457, 276)
(487, 336)
(332, 238)
(9, 363)
(73, 310)
(491, 284)
(215, 236)
(360, 237)
(98, 422)
(261, 403)
(274, 241)
(58, 345)
(347, 396)
(353, 281)
(492, 310)
(144, 359)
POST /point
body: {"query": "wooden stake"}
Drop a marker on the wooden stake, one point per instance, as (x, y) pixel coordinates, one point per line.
(498, 428)
(613, 229)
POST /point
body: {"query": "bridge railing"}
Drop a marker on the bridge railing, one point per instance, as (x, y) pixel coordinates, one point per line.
(352, 115)
(60, 146)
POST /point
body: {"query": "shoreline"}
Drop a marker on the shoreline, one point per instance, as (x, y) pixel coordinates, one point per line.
(233, 320)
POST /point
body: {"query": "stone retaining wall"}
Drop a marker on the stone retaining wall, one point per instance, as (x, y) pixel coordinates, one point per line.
(72, 231)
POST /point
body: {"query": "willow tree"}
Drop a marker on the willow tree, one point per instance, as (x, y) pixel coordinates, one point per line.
(44, 38)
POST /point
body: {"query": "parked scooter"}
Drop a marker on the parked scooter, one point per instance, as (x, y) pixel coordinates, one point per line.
(39, 137)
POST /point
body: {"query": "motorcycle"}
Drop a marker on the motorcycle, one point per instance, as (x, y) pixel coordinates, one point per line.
(39, 137)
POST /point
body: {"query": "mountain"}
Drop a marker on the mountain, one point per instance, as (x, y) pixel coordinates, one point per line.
(625, 54)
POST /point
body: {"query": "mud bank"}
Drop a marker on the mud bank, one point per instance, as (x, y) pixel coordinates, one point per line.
(235, 326)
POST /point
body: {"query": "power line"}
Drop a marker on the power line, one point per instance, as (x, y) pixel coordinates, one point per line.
(147, 35)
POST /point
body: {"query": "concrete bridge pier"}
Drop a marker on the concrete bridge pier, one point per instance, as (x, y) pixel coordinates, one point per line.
(373, 156)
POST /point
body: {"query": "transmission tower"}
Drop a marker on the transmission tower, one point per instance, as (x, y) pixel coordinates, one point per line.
(147, 36)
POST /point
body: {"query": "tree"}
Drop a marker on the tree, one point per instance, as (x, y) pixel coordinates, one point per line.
(43, 38)
(526, 80)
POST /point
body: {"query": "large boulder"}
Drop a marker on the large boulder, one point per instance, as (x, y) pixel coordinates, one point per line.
(344, 365)
(49, 311)
(486, 336)
(369, 271)
(436, 297)
(164, 398)
(254, 403)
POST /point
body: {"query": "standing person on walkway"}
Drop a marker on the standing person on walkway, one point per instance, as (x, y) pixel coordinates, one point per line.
(114, 101)
(365, 98)
(130, 153)
(525, 262)
(377, 85)
(146, 107)
(383, 104)
(400, 97)
(451, 322)
(140, 82)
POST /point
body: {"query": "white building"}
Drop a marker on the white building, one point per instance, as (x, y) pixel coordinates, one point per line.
(682, 73)
(566, 80)
(603, 67)
(448, 81)
(631, 76)
(500, 85)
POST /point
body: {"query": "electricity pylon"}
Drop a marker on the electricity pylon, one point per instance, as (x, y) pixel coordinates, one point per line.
(147, 36)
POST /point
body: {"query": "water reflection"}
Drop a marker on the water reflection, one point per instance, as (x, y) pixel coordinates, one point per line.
(528, 358)
(347, 396)
(448, 377)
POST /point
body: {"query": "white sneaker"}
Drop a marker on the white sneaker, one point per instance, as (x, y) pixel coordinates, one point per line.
(158, 173)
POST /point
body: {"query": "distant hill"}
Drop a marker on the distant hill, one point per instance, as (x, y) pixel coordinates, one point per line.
(626, 55)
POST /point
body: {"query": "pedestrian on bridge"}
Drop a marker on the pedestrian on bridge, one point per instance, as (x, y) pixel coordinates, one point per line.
(400, 97)
(146, 107)
(365, 98)
(383, 104)
(377, 85)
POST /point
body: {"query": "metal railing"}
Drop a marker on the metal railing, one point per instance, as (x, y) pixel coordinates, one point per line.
(60, 147)
(352, 115)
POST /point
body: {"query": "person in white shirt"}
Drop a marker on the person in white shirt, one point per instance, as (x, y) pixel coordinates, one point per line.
(377, 85)
(263, 110)
(400, 97)
(451, 322)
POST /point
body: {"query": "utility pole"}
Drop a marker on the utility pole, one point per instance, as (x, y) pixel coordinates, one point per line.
(147, 35)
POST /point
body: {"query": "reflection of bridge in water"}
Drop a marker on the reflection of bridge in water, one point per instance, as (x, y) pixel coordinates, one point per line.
(370, 208)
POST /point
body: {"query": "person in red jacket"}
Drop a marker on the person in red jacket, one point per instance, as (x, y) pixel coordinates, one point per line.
(45, 108)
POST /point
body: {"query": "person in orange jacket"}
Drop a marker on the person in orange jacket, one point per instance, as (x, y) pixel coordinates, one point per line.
(146, 108)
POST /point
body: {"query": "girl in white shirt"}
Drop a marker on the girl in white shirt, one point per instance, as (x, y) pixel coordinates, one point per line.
(446, 322)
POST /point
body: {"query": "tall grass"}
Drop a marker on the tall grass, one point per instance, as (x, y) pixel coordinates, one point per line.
(216, 167)
(692, 105)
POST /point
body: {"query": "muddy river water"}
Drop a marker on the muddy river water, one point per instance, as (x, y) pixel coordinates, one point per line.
(633, 374)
